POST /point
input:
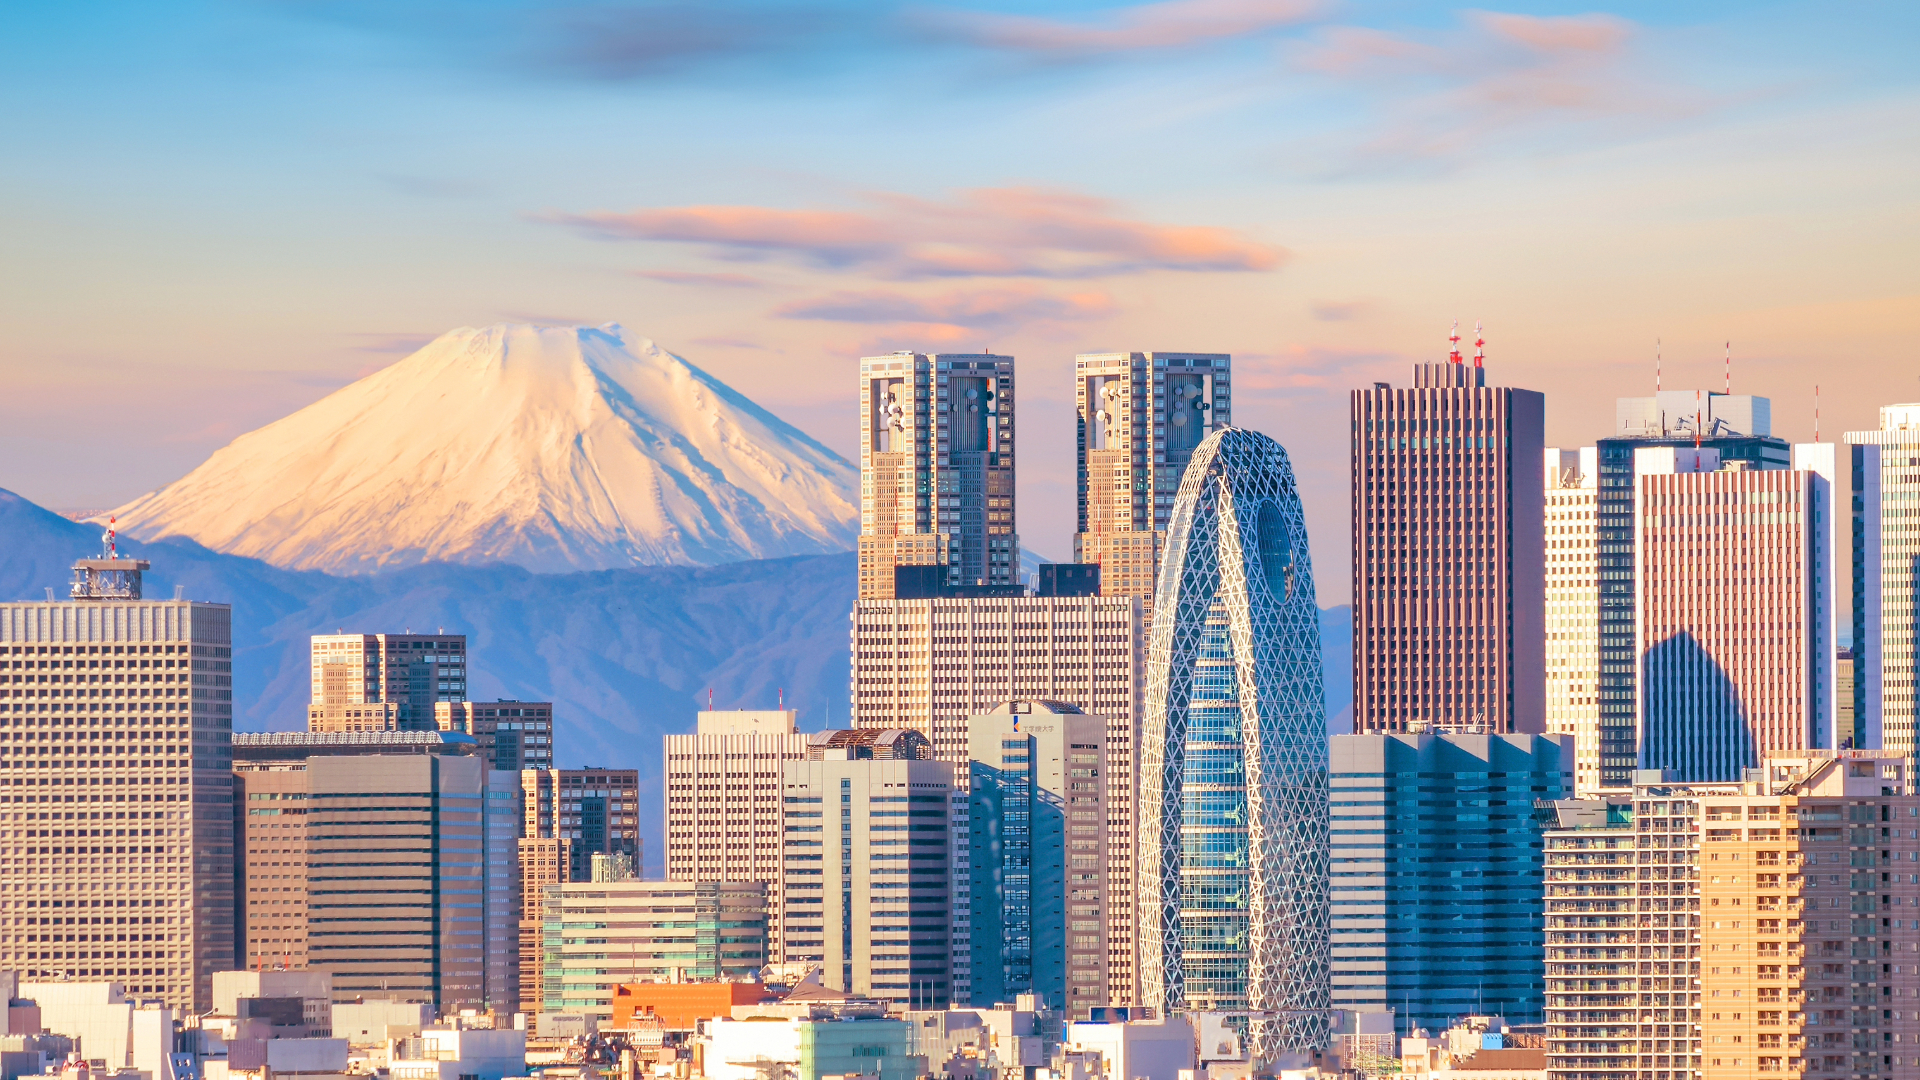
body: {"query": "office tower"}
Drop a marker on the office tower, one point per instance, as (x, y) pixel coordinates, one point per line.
(936, 468)
(1141, 416)
(513, 735)
(1232, 843)
(870, 894)
(1448, 582)
(384, 682)
(1738, 929)
(543, 862)
(932, 664)
(1037, 852)
(1843, 713)
(1573, 609)
(118, 711)
(1437, 873)
(596, 809)
(1734, 425)
(602, 934)
(1735, 628)
(1885, 552)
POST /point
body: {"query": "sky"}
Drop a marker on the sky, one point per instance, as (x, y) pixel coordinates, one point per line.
(214, 213)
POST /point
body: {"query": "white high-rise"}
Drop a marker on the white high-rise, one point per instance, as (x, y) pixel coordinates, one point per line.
(1886, 551)
(1573, 607)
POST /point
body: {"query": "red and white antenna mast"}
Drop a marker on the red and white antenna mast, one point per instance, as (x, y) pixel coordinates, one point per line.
(1479, 345)
(1729, 369)
(1656, 365)
(1696, 425)
(1453, 339)
(113, 541)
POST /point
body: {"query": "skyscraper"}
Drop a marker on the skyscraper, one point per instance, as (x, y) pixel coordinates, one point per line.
(116, 721)
(936, 468)
(384, 682)
(1734, 425)
(597, 809)
(1233, 784)
(512, 735)
(1141, 416)
(1573, 605)
(1448, 579)
(1735, 635)
(1437, 873)
(1885, 538)
(1037, 850)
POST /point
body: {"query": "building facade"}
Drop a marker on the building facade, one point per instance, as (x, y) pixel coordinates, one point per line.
(1141, 415)
(124, 705)
(1886, 574)
(270, 868)
(597, 810)
(1737, 427)
(1573, 600)
(601, 934)
(1037, 853)
(384, 682)
(870, 891)
(1448, 573)
(1744, 929)
(933, 664)
(1735, 628)
(1437, 873)
(1232, 845)
(512, 735)
(936, 468)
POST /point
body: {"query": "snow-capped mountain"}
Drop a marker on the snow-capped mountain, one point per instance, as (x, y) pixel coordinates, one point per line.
(549, 448)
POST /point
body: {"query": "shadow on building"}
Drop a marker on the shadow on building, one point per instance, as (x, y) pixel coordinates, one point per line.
(1692, 720)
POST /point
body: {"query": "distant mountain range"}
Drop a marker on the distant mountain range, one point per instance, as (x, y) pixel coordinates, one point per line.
(547, 448)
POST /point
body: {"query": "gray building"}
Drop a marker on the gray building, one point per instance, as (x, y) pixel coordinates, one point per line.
(869, 892)
(406, 856)
(1437, 875)
(1037, 856)
(116, 722)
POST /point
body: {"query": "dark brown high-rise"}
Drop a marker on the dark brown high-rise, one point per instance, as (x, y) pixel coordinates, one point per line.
(1448, 566)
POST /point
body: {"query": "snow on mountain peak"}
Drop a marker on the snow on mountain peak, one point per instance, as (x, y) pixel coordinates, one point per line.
(551, 448)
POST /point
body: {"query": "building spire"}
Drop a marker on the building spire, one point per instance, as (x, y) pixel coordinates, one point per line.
(1729, 369)
(1453, 344)
(1479, 345)
(1656, 366)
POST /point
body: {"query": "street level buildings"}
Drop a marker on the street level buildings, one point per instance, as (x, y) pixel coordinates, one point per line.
(1437, 873)
(116, 719)
(1573, 602)
(1448, 577)
(1753, 929)
(1885, 540)
(1232, 845)
(375, 682)
(1037, 852)
(1735, 629)
(1140, 417)
(936, 469)
(1737, 427)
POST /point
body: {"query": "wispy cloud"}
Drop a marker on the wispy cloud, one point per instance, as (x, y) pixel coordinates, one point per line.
(626, 40)
(1169, 25)
(1340, 310)
(982, 309)
(986, 232)
(691, 277)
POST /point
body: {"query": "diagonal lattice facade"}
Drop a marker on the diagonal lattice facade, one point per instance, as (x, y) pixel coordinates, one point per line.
(1233, 779)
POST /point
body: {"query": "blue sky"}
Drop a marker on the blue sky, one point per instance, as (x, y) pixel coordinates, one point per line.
(214, 213)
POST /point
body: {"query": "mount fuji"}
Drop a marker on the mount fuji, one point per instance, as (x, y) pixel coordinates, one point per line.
(550, 449)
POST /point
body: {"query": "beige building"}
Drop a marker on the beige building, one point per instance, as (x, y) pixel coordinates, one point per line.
(1141, 416)
(1573, 604)
(723, 800)
(384, 682)
(596, 810)
(601, 934)
(936, 468)
(543, 863)
(512, 735)
(1886, 571)
(116, 718)
(1749, 930)
(270, 830)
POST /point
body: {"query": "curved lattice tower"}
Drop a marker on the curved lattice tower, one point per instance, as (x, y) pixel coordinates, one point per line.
(1233, 782)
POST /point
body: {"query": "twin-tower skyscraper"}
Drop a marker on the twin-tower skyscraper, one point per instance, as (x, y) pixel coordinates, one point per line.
(1212, 894)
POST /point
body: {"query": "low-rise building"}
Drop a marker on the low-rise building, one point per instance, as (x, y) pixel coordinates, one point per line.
(599, 935)
(1137, 1049)
(809, 1049)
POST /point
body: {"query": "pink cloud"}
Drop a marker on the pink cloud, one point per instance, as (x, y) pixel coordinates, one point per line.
(987, 232)
(1171, 24)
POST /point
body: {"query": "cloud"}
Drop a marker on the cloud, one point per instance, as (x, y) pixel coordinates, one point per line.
(620, 41)
(986, 232)
(690, 277)
(1171, 24)
(1340, 310)
(988, 309)
(1496, 76)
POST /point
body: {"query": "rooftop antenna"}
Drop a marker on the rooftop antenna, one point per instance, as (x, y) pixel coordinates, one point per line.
(112, 539)
(709, 699)
(1479, 344)
(1696, 425)
(1656, 365)
(1816, 412)
(1453, 350)
(1729, 369)
(783, 690)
